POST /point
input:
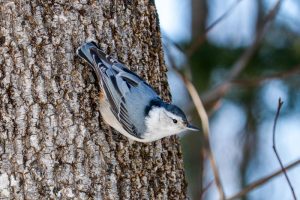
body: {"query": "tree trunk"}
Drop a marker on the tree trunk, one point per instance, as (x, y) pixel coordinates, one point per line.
(53, 142)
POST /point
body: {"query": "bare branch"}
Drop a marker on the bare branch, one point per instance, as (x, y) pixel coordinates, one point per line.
(263, 180)
(220, 90)
(257, 81)
(275, 149)
(206, 132)
(201, 38)
(205, 124)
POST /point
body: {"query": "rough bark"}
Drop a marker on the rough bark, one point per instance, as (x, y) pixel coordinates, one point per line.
(53, 143)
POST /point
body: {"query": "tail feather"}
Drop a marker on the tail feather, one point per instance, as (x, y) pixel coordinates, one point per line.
(91, 53)
(87, 50)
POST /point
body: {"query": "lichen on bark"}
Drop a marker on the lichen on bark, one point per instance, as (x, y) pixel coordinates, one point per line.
(53, 142)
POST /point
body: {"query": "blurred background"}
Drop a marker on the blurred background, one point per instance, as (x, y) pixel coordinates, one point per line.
(241, 118)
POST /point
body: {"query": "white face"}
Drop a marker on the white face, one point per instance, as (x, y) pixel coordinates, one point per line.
(171, 122)
(162, 123)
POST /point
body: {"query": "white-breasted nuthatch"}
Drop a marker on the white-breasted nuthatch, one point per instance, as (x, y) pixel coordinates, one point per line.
(128, 103)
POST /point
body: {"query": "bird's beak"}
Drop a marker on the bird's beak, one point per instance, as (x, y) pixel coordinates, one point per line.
(192, 128)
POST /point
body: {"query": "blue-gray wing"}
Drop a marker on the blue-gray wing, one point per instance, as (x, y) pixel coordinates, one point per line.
(117, 88)
(121, 86)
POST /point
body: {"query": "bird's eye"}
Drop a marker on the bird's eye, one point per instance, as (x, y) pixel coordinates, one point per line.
(175, 121)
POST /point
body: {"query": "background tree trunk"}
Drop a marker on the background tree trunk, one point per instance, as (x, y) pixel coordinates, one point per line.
(199, 16)
(53, 143)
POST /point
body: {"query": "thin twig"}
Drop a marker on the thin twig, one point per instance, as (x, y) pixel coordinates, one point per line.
(171, 41)
(223, 16)
(201, 38)
(204, 190)
(275, 149)
(220, 90)
(206, 132)
(263, 180)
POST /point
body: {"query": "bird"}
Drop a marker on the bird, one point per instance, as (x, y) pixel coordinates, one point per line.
(128, 103)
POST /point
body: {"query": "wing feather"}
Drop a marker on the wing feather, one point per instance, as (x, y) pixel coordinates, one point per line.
(116, 88)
